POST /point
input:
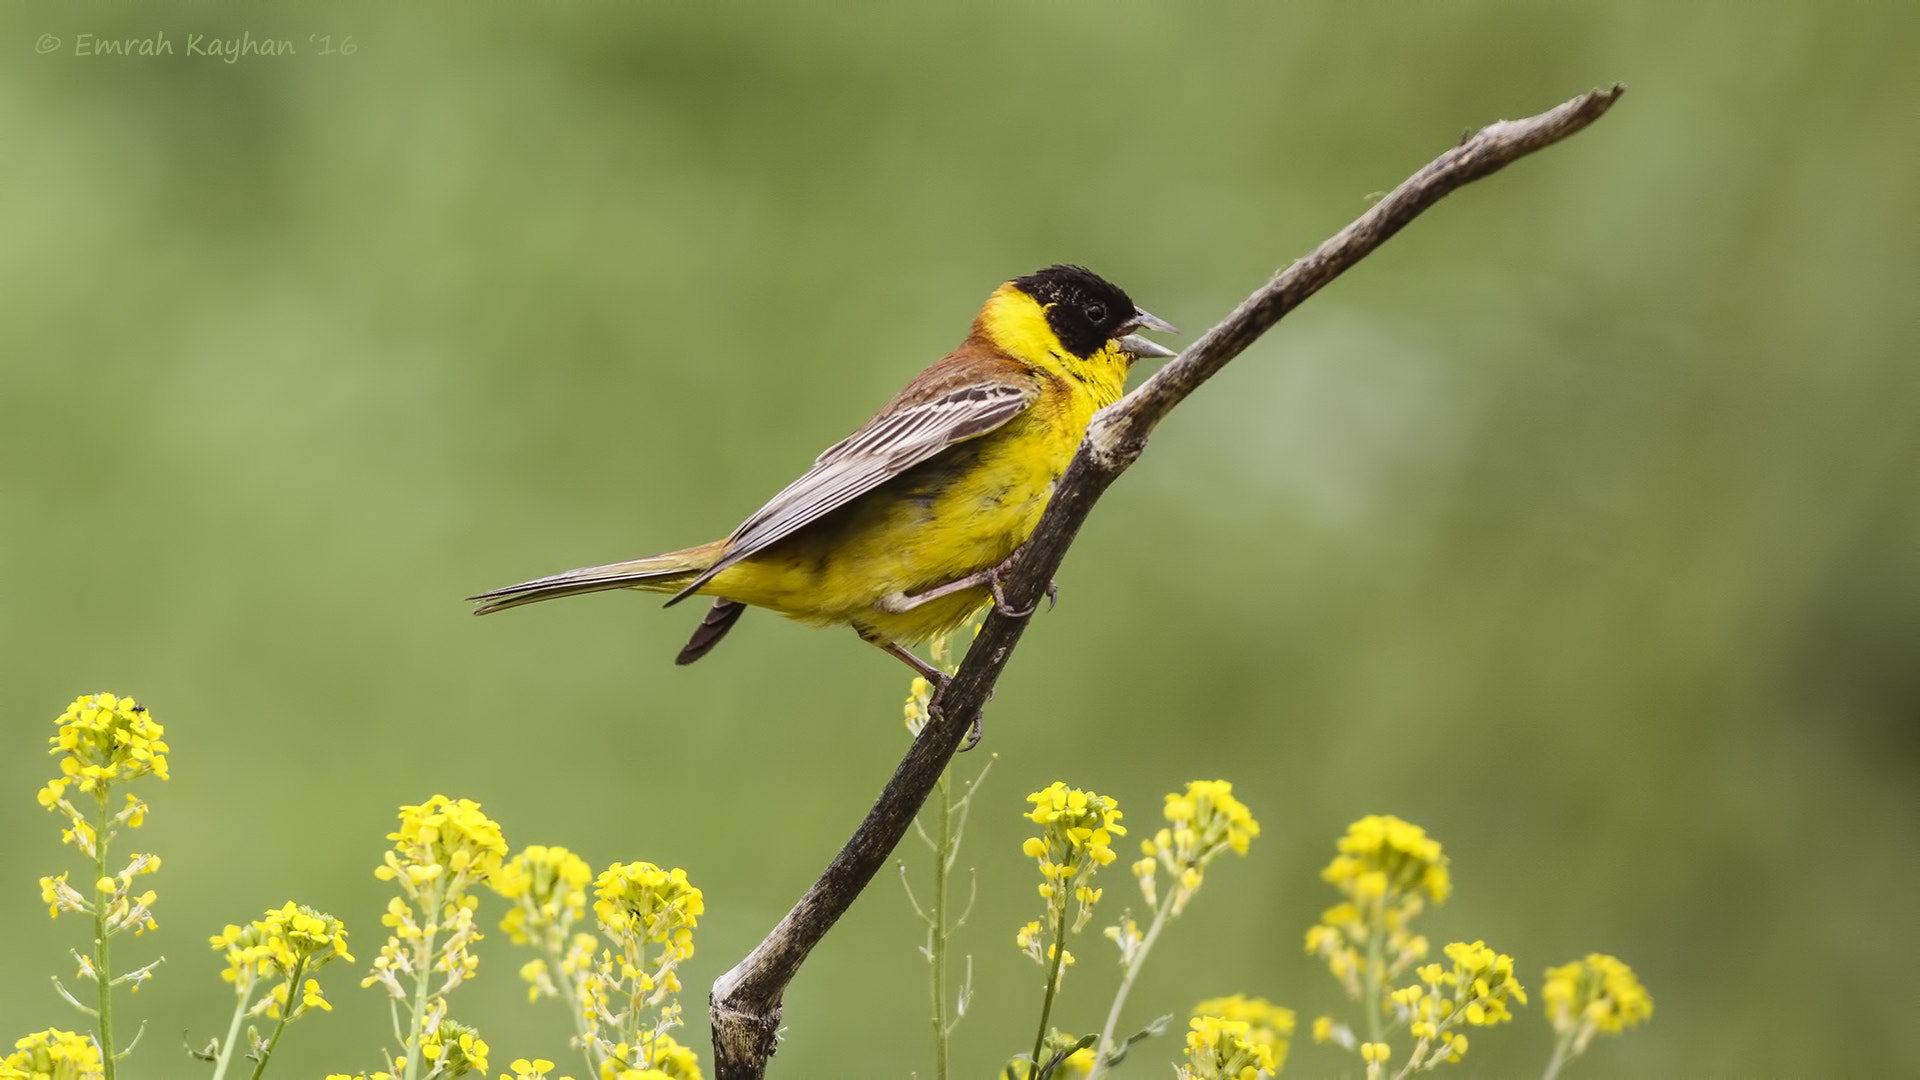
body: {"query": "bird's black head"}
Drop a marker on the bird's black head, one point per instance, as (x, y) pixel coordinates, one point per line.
(1085, 310)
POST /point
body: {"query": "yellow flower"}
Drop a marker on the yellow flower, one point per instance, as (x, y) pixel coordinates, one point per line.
(1075, 1065)
(548, 887)
(673, 1061)
(60, 896)
(1599, 994)
(53, 1055)
(1474, 991)
(1387, 869)
(1077, 820)
(105, 738)
(523, 1069)
(1221, 1049)
(443, 836)
(441, 851)
(455, 1049)
(1204, 821)
(1209, 808)
(288, 941)
(1485, 982)
(919, 697)
(1075, 841)
(1029, 939)
(1268, 1024)
(644, 902)
(1383, 855)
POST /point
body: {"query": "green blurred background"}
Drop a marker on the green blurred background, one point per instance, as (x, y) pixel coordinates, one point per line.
(1577, 525)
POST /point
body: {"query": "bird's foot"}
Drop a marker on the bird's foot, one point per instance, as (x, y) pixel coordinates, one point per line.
(996, 584)
(974, 732)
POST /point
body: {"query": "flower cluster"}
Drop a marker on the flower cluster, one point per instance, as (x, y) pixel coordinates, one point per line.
(548, 889)
(1203, 821)
(55, 1055)
(1598, 995)
(1076, 839)
(453, 1049)
(641, 905)
(102, 740)
(289, 944)
(443, 840)
(105, 738)
(1475, 992)
(1221, 1049)
(442, 850)
(650, 914)
(1268, 1025)
(1387, 869)
(664, 1059)
(1382, 855)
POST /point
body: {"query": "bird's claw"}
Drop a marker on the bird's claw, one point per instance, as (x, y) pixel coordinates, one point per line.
(934, 710)
(996, 585)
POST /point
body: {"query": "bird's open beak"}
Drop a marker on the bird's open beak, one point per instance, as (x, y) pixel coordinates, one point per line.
(1140, 348)
(1143, 321)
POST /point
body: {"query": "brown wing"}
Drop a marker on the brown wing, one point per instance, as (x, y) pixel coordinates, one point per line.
(961, 398)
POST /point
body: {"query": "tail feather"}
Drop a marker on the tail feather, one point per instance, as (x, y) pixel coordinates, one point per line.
(664, 572)
(719, 619)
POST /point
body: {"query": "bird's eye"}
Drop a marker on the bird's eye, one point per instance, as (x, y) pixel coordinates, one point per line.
(1096, 313)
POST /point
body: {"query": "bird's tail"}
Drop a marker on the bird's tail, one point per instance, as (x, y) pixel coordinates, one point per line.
(663, 573)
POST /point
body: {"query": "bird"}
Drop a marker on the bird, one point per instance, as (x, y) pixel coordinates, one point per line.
(905, 529)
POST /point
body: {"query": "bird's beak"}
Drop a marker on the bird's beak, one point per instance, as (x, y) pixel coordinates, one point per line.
(1143, 321)
(1140, 348)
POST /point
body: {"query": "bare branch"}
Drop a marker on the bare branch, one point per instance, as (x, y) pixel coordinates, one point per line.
(746, 1001)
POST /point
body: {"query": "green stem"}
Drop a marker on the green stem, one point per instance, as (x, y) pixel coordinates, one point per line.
(557, 941)
(937, 936)
(1160, 917)
(1562, 1053)
(1376, 971)
(1053, 984)
(233, 1036)
(423, 976)
(103, 970)
(286, 1014)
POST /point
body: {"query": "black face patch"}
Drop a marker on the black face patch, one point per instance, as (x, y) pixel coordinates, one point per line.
(1085, 310)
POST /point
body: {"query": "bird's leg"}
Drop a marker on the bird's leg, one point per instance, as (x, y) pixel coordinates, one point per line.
(927, 671)
(938, 678)
(993, 577)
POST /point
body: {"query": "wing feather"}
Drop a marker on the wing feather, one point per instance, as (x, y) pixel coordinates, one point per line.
(888, 445)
